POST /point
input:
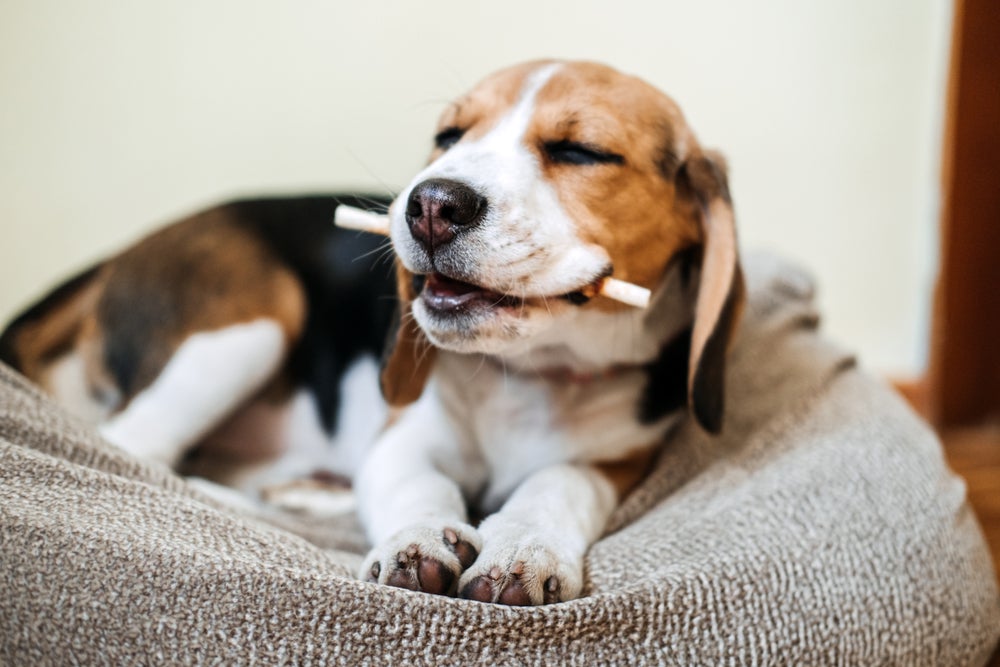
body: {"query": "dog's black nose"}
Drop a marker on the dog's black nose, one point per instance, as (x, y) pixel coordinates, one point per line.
(437, 208)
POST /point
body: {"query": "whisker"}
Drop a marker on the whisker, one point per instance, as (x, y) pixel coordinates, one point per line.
(482, 363)
(381, 248)
(385, 186)
(388, 255)
(376, 205)
(422, 353)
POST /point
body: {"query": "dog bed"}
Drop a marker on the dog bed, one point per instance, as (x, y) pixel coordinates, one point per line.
(822, 527)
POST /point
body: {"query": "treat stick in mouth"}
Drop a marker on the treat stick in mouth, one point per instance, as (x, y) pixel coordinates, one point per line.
(619, 290)
(349, 217)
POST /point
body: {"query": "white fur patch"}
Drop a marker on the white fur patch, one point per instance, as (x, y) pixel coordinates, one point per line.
(66, 380)
(523, 424)
(418, 471)
(545, 529)
(209, 375)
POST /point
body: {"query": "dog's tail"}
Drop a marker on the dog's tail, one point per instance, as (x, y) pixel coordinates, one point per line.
(50, 327)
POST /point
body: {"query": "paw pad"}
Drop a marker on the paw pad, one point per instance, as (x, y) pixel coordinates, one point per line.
(424, 565)
(505, 587)
(420, 573)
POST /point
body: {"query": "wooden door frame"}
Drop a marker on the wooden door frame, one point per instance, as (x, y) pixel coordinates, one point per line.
(962, 384)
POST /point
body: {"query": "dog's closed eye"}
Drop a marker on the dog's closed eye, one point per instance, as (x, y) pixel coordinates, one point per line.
(572, 152)
(448, 137)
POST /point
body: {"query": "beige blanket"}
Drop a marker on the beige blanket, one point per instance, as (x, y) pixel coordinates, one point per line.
(822, 528)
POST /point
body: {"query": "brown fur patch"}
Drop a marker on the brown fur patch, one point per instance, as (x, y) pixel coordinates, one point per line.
(201, 274)
(721, 295)
(626, 473)
(409, 356)
(627, 209)
(251, 435)
(54, 326)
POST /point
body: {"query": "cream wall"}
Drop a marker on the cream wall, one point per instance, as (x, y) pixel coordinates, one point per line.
(117, 115)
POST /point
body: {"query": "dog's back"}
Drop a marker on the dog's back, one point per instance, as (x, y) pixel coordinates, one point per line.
(104, 338)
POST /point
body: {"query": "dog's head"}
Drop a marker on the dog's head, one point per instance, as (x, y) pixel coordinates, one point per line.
(545, 178)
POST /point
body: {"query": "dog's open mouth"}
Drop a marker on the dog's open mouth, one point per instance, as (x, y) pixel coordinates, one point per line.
(448, 295)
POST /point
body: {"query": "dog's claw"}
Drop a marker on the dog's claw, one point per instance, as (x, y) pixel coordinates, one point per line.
(466, 553)
(551, 593)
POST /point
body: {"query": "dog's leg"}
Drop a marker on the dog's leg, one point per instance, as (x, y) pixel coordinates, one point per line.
(209, 375)
(533, 548)
(411, 507)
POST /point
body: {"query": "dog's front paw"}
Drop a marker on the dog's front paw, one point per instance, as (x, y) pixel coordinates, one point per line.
(522, 572)
(423, 558)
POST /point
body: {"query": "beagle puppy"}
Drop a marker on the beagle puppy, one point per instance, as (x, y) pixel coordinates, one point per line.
(529, 403)
(239, 344)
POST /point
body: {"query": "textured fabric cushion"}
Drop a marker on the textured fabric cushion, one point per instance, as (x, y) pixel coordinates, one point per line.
(823, 527)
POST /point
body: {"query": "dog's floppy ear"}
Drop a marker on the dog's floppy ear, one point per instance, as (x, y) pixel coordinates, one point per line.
(408, 356)
(701, 180)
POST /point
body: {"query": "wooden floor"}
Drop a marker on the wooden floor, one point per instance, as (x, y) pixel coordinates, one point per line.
(974, 453)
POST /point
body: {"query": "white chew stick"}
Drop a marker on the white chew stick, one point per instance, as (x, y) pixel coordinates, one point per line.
(628, 293)
(349, 217)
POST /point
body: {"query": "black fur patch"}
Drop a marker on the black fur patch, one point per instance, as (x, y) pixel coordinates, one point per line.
(349, 281)
(666, 389)
(134, 316)
(668, 162)
(702, 179)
